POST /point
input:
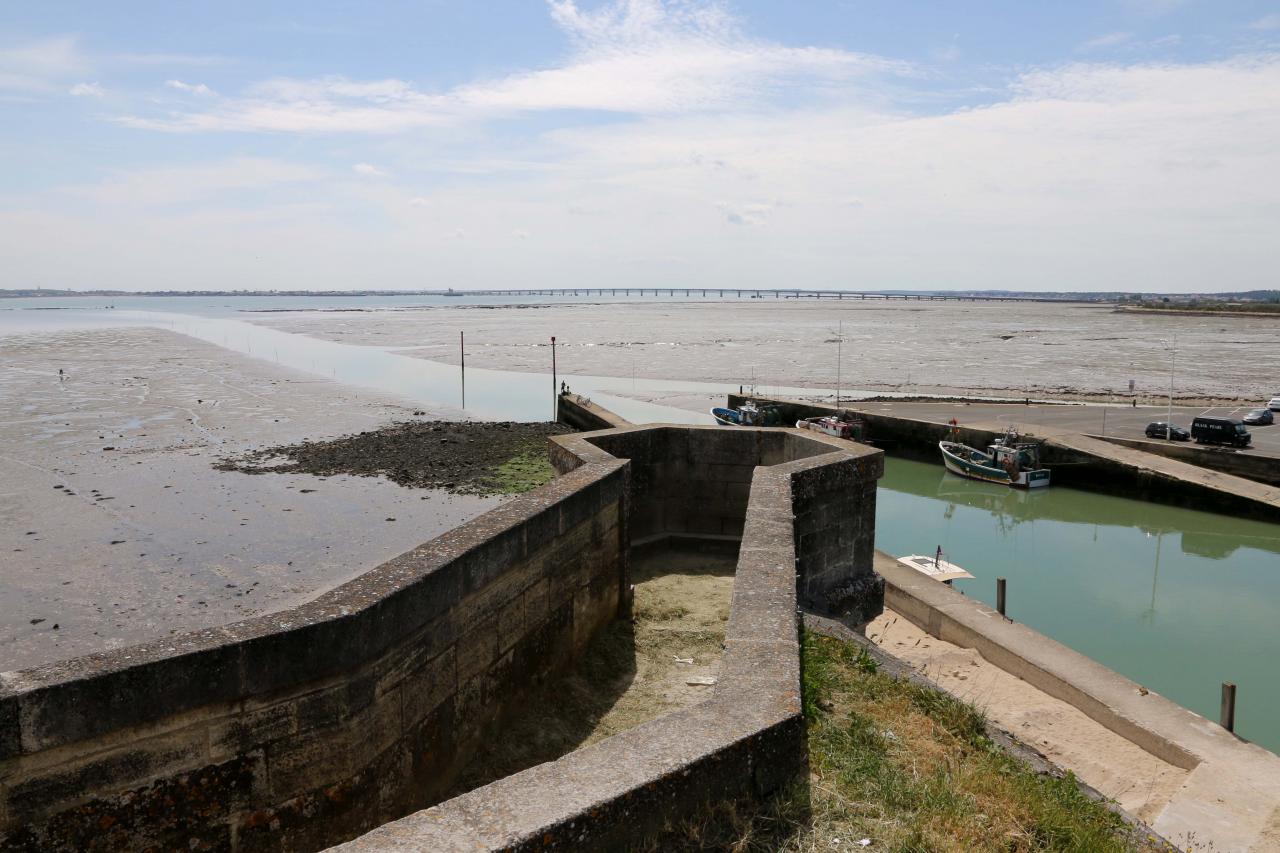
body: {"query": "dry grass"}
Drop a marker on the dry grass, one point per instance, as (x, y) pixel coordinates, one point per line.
(909, 769)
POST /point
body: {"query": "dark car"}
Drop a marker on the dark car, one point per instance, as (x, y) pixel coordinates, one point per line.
(1220, 431)
(1259, 417)
(1161, 429)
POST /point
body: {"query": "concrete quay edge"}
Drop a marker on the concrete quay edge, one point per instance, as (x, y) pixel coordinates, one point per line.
(1232, 793)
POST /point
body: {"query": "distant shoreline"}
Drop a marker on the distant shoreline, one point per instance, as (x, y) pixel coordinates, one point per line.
(1264, 313)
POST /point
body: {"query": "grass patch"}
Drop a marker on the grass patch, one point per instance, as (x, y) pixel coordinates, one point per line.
(529, 468)
(909, 768)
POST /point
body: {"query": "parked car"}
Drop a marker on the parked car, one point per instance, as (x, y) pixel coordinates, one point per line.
(1259, 417)
(1274, 405)
(1220, 431)
(1162, 429)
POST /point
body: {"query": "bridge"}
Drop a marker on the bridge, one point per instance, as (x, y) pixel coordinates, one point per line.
(749, 293)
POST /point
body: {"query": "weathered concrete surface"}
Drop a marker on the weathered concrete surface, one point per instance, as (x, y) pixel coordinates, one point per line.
(1231, 796)
(316, 723)
(1077, 460)
(580, 413)
(749, 738)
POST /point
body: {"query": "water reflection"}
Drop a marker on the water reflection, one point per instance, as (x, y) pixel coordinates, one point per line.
(1177, 600)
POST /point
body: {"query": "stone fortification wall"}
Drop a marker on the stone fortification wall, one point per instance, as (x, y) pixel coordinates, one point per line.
(305, 727)
(300, 728)
(748, 739)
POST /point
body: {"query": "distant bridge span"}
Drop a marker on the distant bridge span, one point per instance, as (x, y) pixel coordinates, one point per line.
(747, 293)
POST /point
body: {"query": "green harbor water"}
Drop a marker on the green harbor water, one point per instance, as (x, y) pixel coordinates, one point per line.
(1175, 599)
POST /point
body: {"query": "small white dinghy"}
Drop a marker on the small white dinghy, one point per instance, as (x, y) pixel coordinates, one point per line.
(935, 567)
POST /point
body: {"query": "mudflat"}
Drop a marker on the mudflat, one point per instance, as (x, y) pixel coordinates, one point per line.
(1003, 349)
(115, 526)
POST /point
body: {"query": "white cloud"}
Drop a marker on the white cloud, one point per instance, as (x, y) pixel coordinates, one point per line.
(86, 90)
(369, 170)
(1105, 41)
(39, 66)
(520, 234)
(166, 185)
(190, 88)
(1266, 22)
(419, 201)
(630, 56)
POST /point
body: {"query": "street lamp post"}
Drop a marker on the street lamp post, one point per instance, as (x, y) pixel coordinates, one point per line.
(1173, 357)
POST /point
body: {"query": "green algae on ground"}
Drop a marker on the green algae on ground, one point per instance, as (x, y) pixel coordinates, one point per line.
(464, 457)
(529, 468)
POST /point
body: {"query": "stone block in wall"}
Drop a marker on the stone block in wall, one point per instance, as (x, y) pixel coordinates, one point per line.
(477, 648)
(241, 732)
(426, 687)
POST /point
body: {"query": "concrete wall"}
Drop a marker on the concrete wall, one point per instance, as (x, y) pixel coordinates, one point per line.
(1251, 466)
(301, 728)
(1231, 798)
(1076, 460)
(748, 739)
(580, 413)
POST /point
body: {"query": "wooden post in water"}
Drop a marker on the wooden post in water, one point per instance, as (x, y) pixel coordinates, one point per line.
(555, 386)
(1227, 717)
(462, 360)
(1000, 585)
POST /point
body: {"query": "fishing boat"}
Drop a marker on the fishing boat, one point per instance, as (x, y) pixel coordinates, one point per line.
(1006, 461)
(935, 567)
(843, 425)
(748, 414)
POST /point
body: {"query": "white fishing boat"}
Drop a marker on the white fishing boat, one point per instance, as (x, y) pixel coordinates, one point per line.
(935, 567)
(1006, 461)
(843, 425)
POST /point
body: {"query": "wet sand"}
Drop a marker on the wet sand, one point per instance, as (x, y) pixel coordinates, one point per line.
(1005, 349)
(114, 525)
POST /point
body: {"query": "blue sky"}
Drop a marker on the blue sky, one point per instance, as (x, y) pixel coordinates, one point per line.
(1112, 145)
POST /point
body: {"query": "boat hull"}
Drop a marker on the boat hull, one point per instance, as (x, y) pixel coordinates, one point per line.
(958, 459)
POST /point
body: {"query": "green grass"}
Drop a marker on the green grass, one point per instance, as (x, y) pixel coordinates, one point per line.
(529, 468)
(909, 768)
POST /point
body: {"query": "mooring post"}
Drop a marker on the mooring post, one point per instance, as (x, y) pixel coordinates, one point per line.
(555, 387)
(462, 361)
(1000, 584)
(1228, 715)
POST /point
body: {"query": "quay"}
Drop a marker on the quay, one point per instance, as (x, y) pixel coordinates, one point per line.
(1076, 459)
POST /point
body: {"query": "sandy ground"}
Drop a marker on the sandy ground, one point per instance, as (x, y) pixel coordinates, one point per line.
(636, 671)
(1141, 783)
(114, 526)
(1014, 349)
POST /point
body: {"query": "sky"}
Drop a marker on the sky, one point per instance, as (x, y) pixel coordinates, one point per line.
(1128, 145)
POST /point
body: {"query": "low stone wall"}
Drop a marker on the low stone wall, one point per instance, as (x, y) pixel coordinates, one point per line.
(748, 739)
(303, 727)
(1251, 466)
(580, 413)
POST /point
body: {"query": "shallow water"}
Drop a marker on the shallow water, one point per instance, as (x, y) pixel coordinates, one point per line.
(1177, 600)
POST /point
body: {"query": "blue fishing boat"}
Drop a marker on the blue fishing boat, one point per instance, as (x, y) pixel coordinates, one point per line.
(748, 414)
(1006, 461)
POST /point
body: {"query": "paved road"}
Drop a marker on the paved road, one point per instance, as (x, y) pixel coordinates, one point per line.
(1122, 421)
